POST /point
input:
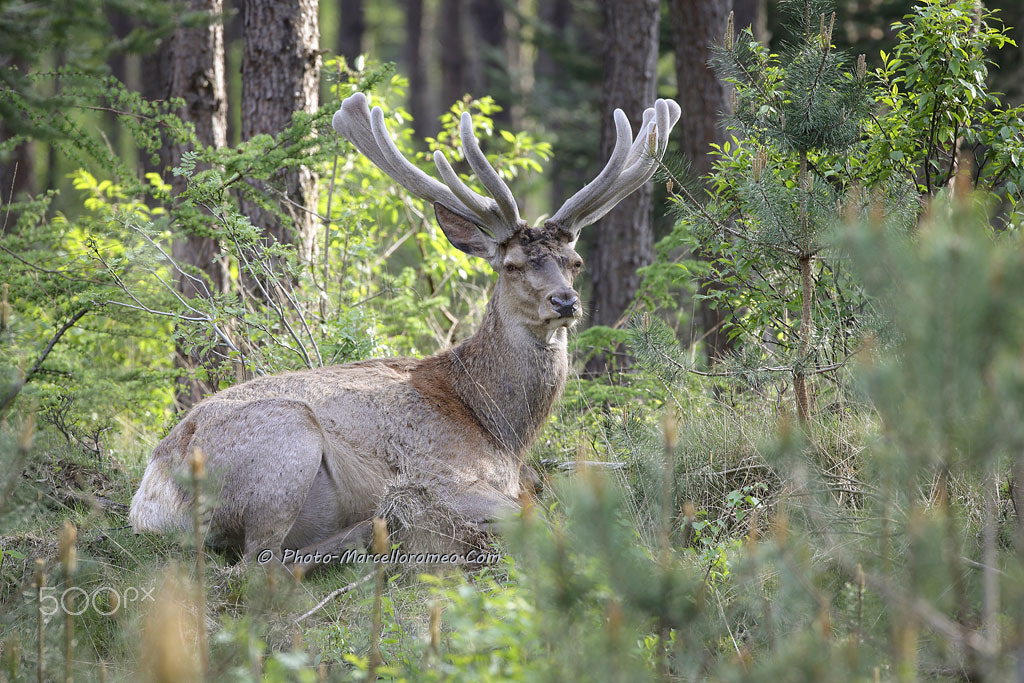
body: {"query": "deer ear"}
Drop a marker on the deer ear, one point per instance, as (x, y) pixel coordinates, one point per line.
(464, 234)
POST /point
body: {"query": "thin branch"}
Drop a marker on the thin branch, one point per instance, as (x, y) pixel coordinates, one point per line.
(13, 392)
(335, 593)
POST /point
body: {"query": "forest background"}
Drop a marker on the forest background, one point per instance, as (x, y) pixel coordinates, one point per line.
(790, 443)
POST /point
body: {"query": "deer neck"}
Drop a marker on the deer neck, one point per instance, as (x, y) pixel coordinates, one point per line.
(508, 378)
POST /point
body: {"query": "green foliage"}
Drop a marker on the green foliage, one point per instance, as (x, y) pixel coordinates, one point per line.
(779, 184)
(72, 39)
(954, 296)
(934, 102)
(817, 139)
(879, 541)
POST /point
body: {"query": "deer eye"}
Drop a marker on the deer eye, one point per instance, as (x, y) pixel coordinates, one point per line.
(577, 265)
(511, 267)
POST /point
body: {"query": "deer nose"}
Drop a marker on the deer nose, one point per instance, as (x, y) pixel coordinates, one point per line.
(565, 304)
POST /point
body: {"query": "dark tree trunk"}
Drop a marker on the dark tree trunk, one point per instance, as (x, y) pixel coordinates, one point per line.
(490, 59)
(120, 25)
(280, 76)
(549, 76)
(197, 76)
(704, 98)
(156, 79)
(623, 240)
(17, 168)
(352, 30)
(1009, 78)
(554, 18)
(52, 171)
(696, 27)
(233, 42)
(416, 68)
(17, 174)
(452, 34)
(752, 14)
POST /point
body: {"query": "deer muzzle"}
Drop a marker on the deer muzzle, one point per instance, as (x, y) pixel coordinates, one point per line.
(565, 304)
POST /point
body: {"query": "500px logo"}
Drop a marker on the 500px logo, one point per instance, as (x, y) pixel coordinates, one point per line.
(76, 601)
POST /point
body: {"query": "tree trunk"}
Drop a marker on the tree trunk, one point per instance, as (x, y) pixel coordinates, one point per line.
(704, 98)
(197, 76)
(17, 168)
(352, 30)
(696, 27)
(801, 383)
(623, 240)
(549, 74)
(156, 70)
(121, 26)
(452, 34)
(17, 174)
(752, 14)
(233, 42)
(1009, 78)
(280, 75)
(490, 60)
(416, 68)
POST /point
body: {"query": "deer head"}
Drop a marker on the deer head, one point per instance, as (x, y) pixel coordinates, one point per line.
(536, 266)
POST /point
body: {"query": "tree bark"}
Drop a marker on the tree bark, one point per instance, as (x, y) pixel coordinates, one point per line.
(452, 34)
(696, 27)
(549, 74)
(196, 75)
(1009, 78)
(801, 382)
(233, 42)
(752, 14)
(17, 173)
(155, 86)
(490, 59)
(17, 168)
(623, 240)
(280, 75)
(121, 26)
(415, 67)
(352, 30)
(704, 98)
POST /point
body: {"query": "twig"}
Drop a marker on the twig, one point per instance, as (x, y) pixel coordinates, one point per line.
(335, 593)
(10, 199)
(48, 271)
(721, 612)
(13, 392)
(327, 218)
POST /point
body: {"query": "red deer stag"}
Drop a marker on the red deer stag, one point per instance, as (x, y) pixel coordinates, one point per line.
(303, 459)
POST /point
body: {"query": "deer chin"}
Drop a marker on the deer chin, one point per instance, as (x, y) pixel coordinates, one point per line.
(556, 324)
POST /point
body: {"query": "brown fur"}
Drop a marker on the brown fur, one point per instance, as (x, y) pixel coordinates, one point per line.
(303, 459)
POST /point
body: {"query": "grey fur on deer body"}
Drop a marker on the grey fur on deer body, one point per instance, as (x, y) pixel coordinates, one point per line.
(302, 459)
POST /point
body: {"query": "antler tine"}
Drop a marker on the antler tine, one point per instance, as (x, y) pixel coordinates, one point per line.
(410, 177)
(666, 113)
(591, 192)
(479, 205)
(352, 121)
(486, 173)
(638, 165)
(367, 130)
